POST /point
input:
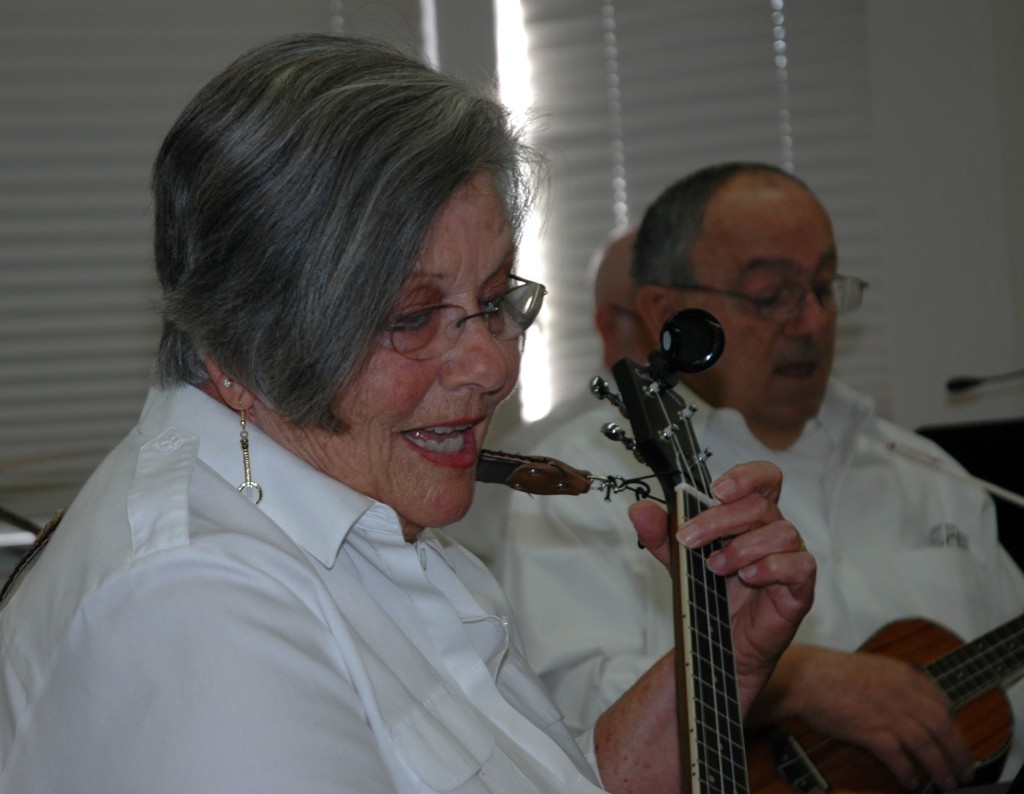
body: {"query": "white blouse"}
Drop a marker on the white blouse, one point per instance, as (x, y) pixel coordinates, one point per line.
(174, 637)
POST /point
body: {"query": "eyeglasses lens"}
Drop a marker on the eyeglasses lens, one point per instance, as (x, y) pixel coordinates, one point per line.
(434, 331)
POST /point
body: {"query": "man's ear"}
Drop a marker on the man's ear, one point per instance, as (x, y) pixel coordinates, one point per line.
(655, 305)
(226, 389)
(605, 322)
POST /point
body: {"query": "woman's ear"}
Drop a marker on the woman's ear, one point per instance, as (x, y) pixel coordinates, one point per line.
(224, 388)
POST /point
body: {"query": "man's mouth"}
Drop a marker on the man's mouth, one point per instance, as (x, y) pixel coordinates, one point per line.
(797, 369)
(444, 440)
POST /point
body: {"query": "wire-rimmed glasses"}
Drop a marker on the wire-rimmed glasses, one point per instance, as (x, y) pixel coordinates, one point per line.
(841, 294)
(433, 331)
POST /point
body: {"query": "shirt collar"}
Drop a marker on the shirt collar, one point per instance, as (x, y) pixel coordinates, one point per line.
(846, 412)
(315, 510)
(841, 407)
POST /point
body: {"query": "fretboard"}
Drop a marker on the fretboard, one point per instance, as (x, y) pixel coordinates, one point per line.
(715, 725)
(994, 658)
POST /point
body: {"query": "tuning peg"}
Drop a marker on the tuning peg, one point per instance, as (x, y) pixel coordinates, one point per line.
(668, 432)
(599, 388)
(616, 433)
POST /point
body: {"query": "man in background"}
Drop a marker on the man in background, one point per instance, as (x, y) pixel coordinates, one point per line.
(623, 334)
(893, 537)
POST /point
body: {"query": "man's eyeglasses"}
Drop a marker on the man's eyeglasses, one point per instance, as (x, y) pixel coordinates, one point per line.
(434, 330)
(842, 294)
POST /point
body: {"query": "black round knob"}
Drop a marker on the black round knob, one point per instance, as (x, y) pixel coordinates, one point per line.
(691, 340)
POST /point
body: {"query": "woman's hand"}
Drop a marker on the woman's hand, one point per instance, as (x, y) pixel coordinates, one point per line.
(771, 574)
(770, 587)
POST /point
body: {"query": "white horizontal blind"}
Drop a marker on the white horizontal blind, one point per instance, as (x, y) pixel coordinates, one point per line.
(830, 107)
(87, 92)
(695, 82)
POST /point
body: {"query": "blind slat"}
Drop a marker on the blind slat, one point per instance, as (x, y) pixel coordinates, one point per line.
(88, 90)
(698, 83)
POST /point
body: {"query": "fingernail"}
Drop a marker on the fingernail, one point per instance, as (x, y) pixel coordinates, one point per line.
(723, 487)
(716, 562)
(687, 534)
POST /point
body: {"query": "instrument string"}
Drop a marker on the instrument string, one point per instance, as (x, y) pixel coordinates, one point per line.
(978, 666)
(724, 750)
(963, 674)
(710, 720)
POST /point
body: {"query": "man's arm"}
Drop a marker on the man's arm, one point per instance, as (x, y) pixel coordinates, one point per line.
(886, 706)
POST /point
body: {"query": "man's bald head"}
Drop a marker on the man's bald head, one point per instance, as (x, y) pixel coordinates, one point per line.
(622, 333)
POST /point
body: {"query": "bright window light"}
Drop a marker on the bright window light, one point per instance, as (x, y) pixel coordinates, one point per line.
(515, 84)
(428, 25)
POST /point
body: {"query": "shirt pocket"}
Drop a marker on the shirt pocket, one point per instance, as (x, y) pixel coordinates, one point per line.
(946, 584)
(443, 740)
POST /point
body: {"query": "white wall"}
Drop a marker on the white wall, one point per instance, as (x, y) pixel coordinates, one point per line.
(947, 142)
(1008, 24)
(944, 128)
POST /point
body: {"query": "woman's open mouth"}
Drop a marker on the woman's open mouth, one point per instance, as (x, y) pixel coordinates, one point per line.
(446, 440)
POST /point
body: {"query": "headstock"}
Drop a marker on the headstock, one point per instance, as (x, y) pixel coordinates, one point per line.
(709, 719)
(691, 340)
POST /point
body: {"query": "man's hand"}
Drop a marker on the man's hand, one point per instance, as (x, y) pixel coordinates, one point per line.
(886, 706)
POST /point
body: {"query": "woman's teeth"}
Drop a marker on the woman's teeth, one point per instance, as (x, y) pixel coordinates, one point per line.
(439, 439)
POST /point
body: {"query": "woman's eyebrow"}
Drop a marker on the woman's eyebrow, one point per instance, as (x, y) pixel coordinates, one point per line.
(506, 263)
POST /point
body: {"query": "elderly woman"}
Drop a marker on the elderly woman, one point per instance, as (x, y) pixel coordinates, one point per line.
(245, 596)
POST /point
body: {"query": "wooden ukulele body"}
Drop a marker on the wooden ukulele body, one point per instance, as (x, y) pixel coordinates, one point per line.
(986, 723)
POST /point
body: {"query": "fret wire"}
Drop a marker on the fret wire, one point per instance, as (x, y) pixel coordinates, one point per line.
(699, 584)
(728, 727)
(721, 761)
(716, 664)
(981, 664)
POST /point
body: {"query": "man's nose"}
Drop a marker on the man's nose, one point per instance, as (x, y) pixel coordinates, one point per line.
(813, 315)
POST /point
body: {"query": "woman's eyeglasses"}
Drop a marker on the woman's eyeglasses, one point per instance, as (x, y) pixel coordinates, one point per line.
(434, 330)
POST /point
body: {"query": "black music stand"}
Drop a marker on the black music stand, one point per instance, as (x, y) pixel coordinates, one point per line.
(989, 450)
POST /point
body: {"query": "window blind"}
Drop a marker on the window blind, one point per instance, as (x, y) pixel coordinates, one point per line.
(88, 91)
(633, 95)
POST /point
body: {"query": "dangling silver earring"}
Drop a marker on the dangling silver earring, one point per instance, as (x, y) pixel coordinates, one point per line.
(249, 489)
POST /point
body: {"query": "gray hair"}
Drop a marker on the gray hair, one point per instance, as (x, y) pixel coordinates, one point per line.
(292, 200)
(672, 225)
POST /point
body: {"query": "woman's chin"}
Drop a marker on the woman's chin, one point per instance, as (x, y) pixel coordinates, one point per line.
(452, 511)
(444, 507)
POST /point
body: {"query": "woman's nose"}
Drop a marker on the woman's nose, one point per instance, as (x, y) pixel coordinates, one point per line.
(480, 360)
